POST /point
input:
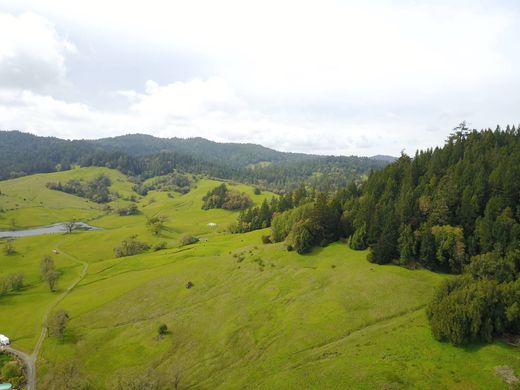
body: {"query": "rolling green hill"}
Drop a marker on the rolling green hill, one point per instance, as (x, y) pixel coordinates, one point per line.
(257, 315)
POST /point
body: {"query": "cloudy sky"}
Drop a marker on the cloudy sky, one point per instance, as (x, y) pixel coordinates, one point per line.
(328, 77)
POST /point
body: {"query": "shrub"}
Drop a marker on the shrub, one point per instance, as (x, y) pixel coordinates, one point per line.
(162, 330)
(16, 281)
(129, 247)
(128, 210)
(465, 310)
(9, 248)
(266, 239)
(160, 246)
(11, 370)
(188, 239)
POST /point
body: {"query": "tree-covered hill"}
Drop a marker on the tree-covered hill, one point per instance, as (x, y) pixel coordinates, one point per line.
(445, 204)
(233, 154)
(454, 209)
(143, 156)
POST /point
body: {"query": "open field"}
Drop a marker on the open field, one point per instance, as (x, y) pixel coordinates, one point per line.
(257, 316)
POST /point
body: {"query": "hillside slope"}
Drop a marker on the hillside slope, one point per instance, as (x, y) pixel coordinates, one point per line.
(257, 316)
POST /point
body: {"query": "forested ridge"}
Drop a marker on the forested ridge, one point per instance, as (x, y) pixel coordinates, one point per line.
(446, 204)
(143, 156)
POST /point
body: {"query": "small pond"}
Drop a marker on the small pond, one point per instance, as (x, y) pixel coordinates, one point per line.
(55, 228)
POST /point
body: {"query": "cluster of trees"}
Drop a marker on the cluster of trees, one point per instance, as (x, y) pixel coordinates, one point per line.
(221, 197)
(443, 206)
(480, 304)
(11, 371)
(96, 190)
(130, 246)
(48, 272)
(324, 173)
(11, 282)
(173, 182)
(260, 217)
(66, 374)
(314, 223)
(131, 209)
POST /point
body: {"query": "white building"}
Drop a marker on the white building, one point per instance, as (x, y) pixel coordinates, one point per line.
(4, 340)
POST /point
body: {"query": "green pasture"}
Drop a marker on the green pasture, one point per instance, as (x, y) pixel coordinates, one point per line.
(257, 315)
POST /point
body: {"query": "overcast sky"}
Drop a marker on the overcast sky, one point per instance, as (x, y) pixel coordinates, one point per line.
(328, 77)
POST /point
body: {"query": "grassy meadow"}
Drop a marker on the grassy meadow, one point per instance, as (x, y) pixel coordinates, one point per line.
(257, 316)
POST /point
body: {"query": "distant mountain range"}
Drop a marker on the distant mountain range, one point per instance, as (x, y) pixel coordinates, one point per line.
(145, 156)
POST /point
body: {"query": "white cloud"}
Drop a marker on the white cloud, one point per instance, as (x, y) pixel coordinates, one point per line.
(32, 54)
(186, 99)
(208, 108)
(360, 77)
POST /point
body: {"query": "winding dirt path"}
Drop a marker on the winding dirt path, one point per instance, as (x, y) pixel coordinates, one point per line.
(30, 360)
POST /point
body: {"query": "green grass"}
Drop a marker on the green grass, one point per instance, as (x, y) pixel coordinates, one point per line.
(273, 320)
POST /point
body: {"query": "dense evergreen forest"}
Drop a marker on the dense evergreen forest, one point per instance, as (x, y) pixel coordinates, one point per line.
(143, 156)
(444, 205)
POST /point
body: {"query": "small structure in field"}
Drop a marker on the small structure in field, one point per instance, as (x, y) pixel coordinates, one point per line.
(4, 340)
(55, 251)
(212, 224)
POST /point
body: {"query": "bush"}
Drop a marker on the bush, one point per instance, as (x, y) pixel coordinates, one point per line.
(188, 239)
(160, 246)
(129, 247)
(11, 370)
(9, 248)
(162, 330)
(16, 281)
(128, 210)
(465, 310)
(266, 239)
